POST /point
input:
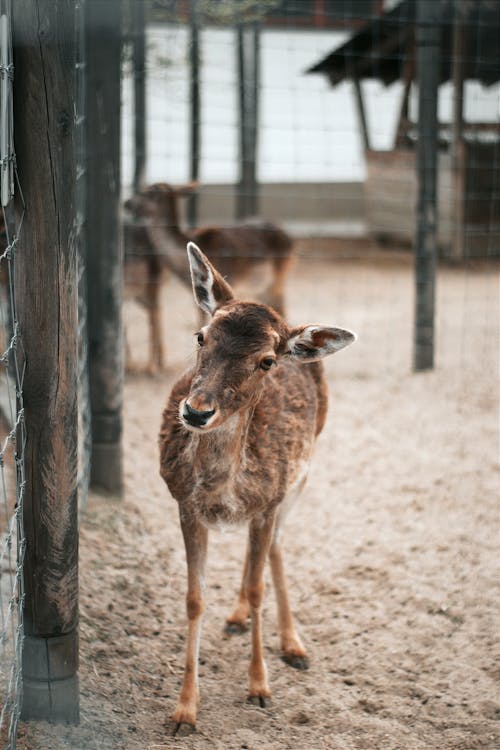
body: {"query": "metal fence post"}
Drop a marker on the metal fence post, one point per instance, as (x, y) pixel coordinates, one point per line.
(138, 34)
(428, 39)
(248, 58)
(46, 289)
(195, 105)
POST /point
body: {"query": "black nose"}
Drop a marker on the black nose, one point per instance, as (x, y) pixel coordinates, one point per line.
(196, 418)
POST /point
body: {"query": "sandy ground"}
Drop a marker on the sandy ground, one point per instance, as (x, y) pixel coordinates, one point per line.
(392, 550)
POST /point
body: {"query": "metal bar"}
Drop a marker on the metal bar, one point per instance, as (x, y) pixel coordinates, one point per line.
(194, 60)
(248, 54)
(427, 49)
(139, 58)
(104, 244)
(458, 143)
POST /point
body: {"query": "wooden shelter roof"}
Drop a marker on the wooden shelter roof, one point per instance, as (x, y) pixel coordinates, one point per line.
(380, 49)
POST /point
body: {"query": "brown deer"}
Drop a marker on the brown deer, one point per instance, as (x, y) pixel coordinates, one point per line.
(235, 442)
(154, 239)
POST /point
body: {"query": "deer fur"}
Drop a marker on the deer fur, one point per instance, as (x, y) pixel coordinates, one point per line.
(155, 241)
(235, 443)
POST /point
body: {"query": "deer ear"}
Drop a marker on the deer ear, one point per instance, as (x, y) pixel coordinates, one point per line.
(209, 288)
(311, 343)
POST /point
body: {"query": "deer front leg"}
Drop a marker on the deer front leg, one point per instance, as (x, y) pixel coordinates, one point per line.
(260, 536)
(195, 540)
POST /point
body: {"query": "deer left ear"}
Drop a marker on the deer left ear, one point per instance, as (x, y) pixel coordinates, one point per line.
(311, 343)
(209, 288)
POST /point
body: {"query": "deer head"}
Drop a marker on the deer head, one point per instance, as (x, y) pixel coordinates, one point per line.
(159, 201)
(239, 348)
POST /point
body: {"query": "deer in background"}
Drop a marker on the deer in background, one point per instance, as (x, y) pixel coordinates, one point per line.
(235, 443)
(155, 240)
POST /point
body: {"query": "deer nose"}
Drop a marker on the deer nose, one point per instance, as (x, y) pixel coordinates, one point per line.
(195, 417)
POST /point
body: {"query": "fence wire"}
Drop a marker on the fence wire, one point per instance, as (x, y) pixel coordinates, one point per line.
(12, 426)
(84, 422)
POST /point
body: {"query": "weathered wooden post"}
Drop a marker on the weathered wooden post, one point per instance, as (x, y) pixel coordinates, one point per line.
(248, 51)
(428, 39)
(46, 290)
(104, 244)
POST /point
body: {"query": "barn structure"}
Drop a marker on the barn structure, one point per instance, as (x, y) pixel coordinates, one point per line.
(468, 177)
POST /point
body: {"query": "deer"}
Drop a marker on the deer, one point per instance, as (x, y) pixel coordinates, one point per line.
(154, 238)
(236, 438)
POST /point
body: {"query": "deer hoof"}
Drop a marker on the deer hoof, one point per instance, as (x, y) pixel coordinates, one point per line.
(258, 700)
(235, 628)
(181, 729)
(297, 661)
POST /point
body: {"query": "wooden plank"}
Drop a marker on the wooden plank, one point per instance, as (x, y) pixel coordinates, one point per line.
(103, 236)
(46, 291)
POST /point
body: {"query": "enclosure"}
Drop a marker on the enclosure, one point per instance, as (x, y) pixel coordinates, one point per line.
(392, 549)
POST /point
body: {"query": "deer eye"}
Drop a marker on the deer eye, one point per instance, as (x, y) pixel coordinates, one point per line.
(199, 338)
(267, 363)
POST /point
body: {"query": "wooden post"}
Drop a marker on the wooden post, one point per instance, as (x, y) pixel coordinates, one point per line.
(360, 106)
(46, 290)
(458, 143)
(138, 32)
(428, 40)
(248, 51)
(104, 245)
(195, 114)
(403, 122)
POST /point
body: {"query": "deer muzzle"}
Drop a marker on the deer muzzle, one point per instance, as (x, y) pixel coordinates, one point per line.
(196, 417)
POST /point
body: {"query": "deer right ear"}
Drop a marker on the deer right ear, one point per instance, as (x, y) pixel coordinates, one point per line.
(312, 343)
(209, 288)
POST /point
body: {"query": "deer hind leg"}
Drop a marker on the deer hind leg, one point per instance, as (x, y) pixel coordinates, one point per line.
(292, 650)
(259, 542)
(237, 622)
(156, 354)
(195, 540)
(275, 293)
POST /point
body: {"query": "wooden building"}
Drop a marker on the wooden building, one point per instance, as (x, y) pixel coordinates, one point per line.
(469, 153)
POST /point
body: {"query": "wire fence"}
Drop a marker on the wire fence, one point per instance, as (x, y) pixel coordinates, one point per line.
(335, 157)
(84, 421)
(12, 426)
(337, 117)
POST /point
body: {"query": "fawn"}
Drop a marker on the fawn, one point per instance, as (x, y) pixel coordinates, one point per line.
(155, 240)
(235, 442)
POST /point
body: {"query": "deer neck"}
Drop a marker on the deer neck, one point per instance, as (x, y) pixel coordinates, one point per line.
(219, 455)
(169, 243)
(217, 460)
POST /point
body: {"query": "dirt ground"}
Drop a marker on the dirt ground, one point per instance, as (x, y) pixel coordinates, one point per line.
(392, 550)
